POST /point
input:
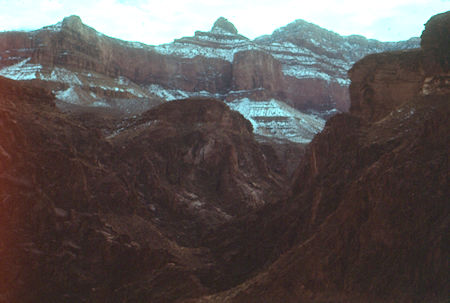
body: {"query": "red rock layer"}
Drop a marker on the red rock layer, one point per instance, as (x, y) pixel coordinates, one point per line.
(257, 66)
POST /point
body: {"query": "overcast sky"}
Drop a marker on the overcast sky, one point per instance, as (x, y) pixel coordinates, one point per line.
(161, 21)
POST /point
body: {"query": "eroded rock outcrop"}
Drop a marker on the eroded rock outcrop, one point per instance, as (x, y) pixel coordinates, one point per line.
(98, 207)
(72, 228)
(223, 25)
(368, 214)
(205, 158)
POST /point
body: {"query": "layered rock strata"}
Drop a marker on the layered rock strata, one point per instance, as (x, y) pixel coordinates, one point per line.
(299, 67)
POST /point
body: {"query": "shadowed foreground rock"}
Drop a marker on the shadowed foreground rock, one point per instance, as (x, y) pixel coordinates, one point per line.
(368, 219)
(98, 208)
(70, 232)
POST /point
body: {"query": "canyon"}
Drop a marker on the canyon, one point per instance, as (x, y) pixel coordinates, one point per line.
(108, 193)
(287, 84)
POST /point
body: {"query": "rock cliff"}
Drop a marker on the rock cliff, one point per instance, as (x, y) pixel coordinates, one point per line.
(301, 66)
(368, 214)
(180, 203)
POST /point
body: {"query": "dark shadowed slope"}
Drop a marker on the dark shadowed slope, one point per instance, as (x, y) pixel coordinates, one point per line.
(368, 219)
(92, 211)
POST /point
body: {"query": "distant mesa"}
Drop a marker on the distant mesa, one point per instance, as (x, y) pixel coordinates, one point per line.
(222, 25)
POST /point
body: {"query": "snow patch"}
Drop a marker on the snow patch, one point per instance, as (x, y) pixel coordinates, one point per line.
(221, 31)
(305, 72)
(190, 50)
(302, 72)
(167, 94)
(288, 48)
(69, 95)
(176, 94)
(274, 118)
(233, 92)
(136, 44)
(221, 37)
(22, 71)
(123, 81)
(100, 104)
(62, 75)
(56, 27)
(343, 82)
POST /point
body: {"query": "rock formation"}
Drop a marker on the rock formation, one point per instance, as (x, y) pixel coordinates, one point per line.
(368, 214)
(222, 25)
(299, 67)
(100, 206)
(180, 203)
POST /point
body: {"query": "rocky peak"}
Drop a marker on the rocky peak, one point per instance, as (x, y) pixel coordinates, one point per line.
(222, 26)
(435, 41)
(301, 29)
(72, 22)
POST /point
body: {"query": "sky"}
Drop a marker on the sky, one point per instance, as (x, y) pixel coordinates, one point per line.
(161, 21)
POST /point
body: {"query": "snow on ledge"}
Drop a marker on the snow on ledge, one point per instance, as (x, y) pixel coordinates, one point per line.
(274, 118)
(69, 95)
(21, 71)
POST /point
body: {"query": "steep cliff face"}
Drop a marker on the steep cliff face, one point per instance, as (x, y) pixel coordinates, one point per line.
(301, 65)
(368, 215)
(256, 69)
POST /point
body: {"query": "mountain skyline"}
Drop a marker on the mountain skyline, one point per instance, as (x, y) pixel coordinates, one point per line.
(155, 23)
(301, 67)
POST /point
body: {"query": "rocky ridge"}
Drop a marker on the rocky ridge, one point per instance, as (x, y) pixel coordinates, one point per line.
(93, 213)
(299, 67)
(368, 214)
